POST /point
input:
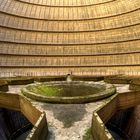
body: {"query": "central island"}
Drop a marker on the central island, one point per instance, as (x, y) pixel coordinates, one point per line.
(68, 91)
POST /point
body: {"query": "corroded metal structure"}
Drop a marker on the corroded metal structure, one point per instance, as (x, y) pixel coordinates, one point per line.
(57, 37)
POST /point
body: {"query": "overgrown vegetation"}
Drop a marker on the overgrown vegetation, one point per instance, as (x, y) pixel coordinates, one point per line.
(87, 135)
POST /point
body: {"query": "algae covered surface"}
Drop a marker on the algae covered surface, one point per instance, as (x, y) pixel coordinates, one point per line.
(46, 90)
(65, 89)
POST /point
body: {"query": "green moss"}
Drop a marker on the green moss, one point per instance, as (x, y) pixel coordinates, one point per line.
(87, 135)
(68, 92)
(46, 90)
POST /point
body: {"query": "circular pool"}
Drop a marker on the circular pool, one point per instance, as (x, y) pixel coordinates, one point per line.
(68, 92)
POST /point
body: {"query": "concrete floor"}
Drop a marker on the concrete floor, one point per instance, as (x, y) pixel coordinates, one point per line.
(68, 121)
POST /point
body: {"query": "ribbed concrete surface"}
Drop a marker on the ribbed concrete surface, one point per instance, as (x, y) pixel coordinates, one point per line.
(57, 37)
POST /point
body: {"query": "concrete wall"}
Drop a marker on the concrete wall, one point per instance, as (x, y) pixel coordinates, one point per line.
(126, 123)
(114, 104)
(12, 124)
(99, 131)
(3, 86)
(37, 118)
(40, 130)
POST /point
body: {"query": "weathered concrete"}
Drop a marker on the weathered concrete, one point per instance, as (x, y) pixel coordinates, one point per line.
(36, 117)
(56, 126)
(3, 86)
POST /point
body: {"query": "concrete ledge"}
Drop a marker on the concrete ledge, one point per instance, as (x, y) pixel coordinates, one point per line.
(109, 108)
(27, 80)
(10, 101)
(117, 79)
(99, 131)
(63, 78)
(49, 78)
(109, 90)
(135, 85)
(18, 80)
(28, 110)
(37, 118)
(3, 86)
(113, 104)
(40, 130)
(87, 78)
